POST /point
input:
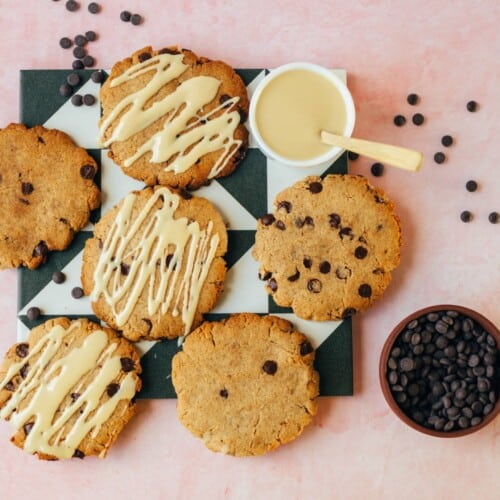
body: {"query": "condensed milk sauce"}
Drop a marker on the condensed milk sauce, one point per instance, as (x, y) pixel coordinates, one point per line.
(292, 110)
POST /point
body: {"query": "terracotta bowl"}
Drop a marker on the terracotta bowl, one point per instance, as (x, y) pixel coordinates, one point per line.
(487, 325)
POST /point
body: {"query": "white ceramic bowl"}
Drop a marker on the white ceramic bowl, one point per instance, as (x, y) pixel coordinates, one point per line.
(341, 87)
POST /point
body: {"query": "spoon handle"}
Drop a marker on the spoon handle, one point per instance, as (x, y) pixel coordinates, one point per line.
(407, 159)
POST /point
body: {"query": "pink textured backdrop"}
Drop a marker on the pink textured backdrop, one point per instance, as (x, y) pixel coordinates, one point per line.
(447, 52)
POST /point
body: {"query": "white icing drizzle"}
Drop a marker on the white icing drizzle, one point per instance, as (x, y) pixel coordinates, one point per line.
(49, 382)
(144, 242)
(187, 133)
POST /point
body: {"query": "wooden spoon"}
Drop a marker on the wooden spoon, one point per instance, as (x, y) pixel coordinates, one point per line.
(407, 159)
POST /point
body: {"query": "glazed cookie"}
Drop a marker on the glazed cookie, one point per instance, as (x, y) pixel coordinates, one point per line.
(47, 193)
(329, 248)
(173, 118)
(245, 385)
(155, 265)
(69, 389)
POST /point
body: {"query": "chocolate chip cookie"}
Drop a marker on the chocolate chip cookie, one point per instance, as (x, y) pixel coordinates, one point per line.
(155, 265)
(245, 385)
(68, 391)
(47, 193)
(173, 118)
(329, 248)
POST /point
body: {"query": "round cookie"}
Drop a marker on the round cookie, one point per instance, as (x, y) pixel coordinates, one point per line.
(329, 248)
(155, 265)
(245, 385)
(47, 193)
(173, 118)
(69, 390)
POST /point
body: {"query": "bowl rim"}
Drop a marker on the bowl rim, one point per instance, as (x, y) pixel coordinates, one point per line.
(329, 75)
(484, 322)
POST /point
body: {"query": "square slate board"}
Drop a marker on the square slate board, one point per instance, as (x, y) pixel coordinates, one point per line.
(242, 197)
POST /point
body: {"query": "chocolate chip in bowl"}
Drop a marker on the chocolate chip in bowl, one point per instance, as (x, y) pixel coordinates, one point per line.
(439, 371)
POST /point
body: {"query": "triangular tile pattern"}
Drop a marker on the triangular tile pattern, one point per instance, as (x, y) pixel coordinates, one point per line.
(242, 198)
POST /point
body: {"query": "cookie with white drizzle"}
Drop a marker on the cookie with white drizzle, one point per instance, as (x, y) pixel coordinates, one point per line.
(330, 246)
(246, 385)
(69, 389)
(173, 118)
(155, 264)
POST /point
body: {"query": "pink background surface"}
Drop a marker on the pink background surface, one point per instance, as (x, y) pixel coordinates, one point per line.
(447, 52)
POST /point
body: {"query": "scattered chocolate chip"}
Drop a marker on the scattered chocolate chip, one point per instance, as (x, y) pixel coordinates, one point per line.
(94, 7)
(417, 119)
(125, 15)
(127, 364)
(40, 140)
(273, 285)
(348, 313)
(72, 6)
(136, 19)
(26, 188)
(79, 52)
(79, 454)
(9, 386)
(91, 36)
(267, 219)
(124, 268)
(315, 187)
(22, 349)
(280, 225)
(439, 157)
(77, 100)
(365, 290)
(471, 186)
(314, 285)
(265, 276)
(286, 205)
(466, 216)
(112, 389)
(412, 99)
(377, 169)
(77, 64)
(299, 222)
(294, 277)
(307, 262)
(223, 393)
(347, 232)
(88, 99)
(324, 267)
(243, 115)
(24, 370)
(308, 221)
(33, 313)
(80, 41)
(58, 277)
(472, 106)
(149, 324)
(27, 427)
(352, 155)
(65, 42)
(41, 250)
(306, 348)
(447, 141)
(77, 292)
(378, 199)
(493, 217)
(399, 120)
(88, 61)
(270, 367)
(360, 252)
(75, 395)
(87, 172)
(73, 79)
(144, 56)
(334, 220)
(166, 50)
(65, 90)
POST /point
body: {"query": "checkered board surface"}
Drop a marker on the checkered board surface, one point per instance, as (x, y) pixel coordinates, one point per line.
(242, 198)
